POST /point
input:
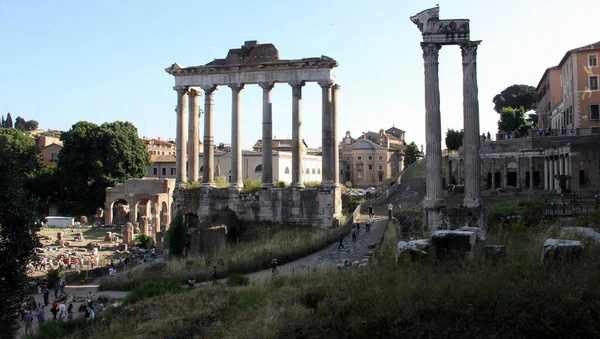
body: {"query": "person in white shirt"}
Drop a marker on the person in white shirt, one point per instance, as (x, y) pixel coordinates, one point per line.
(390, 210)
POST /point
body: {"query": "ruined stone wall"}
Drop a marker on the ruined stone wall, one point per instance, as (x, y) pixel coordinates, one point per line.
(315, 207)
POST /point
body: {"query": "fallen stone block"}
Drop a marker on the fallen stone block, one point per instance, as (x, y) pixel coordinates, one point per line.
(346, 262)
(451, 245)
(478, 232)
(583, 232)
(339, 266)
(494, 253)
(561, 250)
(412, 250)
(364, 262)
(355, 263)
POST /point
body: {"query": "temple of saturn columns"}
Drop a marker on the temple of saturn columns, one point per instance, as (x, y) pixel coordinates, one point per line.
(256, 64)
(437, 33)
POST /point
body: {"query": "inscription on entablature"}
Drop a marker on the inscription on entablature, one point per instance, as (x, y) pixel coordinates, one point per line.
(446, 32)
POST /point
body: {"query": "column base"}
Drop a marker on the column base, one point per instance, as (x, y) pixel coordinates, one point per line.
(297, 185)
(434, 203)
(236, 186)
(209, 185)
(266, 185)
(472, 203)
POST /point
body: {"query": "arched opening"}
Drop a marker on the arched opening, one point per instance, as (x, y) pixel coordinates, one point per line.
(143, 209)
(313, 171)
(165, 219)
(120, 211)
(258, 168)
(287, 170)
(307, 171)
(319, 171)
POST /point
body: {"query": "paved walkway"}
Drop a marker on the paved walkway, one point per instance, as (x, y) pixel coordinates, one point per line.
(331, 256)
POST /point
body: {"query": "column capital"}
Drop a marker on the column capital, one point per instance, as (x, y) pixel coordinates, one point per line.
(469, 51)
(325, 83)
(431, 52)
(297, 84)
(181, 89)
(336, 87)
(195, 92)
(209, 89)
(236, 87)
(266, 85)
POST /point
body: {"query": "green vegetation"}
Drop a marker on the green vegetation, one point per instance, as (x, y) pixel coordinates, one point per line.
(238, 280)
(251, 185)
(312, 184)
(281, 184)
(254, 250)
(411, 154)
(193, 185)
(143, 241)
(454, 139)
(152, 288)
(221, 182)
(176, 235)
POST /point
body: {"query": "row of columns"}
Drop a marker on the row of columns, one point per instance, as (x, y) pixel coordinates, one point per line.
(330, 156)
(433, 130)
(556, 164)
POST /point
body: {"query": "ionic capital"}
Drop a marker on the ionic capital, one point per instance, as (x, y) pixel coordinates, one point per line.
(236, 87)
(195, 92)
(208, 90)
(267, 86)
(469, 51)
(325, 83)
(297, 84)
(180, 89)
(431, 52)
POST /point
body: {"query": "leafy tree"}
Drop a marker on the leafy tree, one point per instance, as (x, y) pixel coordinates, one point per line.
(47, 186)
(513, 120)
(411, 154)
(516, 96)
(143, 241)
(454, 139)
(96, 157)
(31, 125)
(533, 119)
(20, 124)
(176, 235)
(2, 123)
(19, 159)
(8, 123)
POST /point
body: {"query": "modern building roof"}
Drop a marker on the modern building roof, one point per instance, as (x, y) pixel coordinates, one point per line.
(167, 158)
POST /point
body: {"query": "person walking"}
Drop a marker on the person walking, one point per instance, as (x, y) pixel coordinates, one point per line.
(46, 293)
(371, 213)
(28, 320)
(354, 234)
(70, 312)
(62, 287)
(54, 310)
(390, 210)
(341, 245)
(274, 265)
(368, 227)
(39, 312)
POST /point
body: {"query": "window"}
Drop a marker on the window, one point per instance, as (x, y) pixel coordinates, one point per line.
(287, 170)
(307, 171)
(595, 112)
(173, 171)
(380, 157)
(347, 158)
(594, 82)
(348, 168)
(155, 171)
(53, 156)
(593, 60)
(581, 177)
(359, 157)
(258, 168)
(370, 167)
(370, 157)
(164, 171)
(319, 171)
(380, 168)
(313, 171)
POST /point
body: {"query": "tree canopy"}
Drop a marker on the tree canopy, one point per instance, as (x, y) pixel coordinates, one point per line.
(513, 120)
(411, 154)
(516, 96)
(8, 122)
(19, 159)
(454, 139)
(95, 157)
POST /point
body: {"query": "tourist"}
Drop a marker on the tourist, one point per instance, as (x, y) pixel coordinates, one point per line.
(39, 312)
(191, 282)
(126, 262)
(56, 287)
(54, 310)
(274, 265)
(39, 286)
(368, 227)
(28, 320)
(62, 287)
(214, 273)
(390, 210)
(92, 262)
(70, 312)
(46, 293)
(62, 312)
(371, 213)
(341, 245)
(353, 234)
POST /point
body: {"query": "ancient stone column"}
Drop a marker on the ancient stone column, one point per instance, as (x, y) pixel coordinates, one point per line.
(144, 225)
(180, 148)
(326, 135)
(237, 179)
(531, 173)
(128, 234)
(297, 134)
(194, 135)
(552, 168)
(471, 122)
(208, 158)
(433, 130)
(267, 135)
(334, 138)
(546, 175)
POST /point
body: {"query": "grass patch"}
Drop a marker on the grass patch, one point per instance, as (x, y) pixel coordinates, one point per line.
(250, 186)
(149, 289)
(237, 280)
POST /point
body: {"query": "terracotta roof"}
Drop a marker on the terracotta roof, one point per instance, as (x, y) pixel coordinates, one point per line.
(590, 47)
(163, 158)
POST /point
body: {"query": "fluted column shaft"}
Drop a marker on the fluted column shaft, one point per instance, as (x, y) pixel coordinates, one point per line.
(236, 136)
(194, 135)
(267, 136)
(326, 135)
(552, 170)
(208, 158)
(471, 125)
(334, 137)
(546, 174)
(297, 134)
(180, 148)
(530, 173)
(433, 129)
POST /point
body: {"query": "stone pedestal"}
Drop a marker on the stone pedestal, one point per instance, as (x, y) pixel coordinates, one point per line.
(128, 234)
(59, 235)
(144, 225)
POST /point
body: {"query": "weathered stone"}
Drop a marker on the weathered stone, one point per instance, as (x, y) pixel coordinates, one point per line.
(494, 253)
(584, 232)
(453, 244)
(561, 250)
(59, 242)
(91, 245)
(128, 234)
(346, 262)
(59, 235)
(412, 250)
(365, 262)
(108, 237)
(478, 232)
(144, 226)
(355, 263)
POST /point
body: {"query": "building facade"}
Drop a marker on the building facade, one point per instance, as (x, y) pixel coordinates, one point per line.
(371, 158)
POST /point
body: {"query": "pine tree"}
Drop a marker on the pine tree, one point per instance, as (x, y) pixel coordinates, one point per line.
(8, 122)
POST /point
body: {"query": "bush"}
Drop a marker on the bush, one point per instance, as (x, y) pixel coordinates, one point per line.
(221, 182)
(143, 241)
(151, 289)
(54, 276)
(281, 184)
(193, 185)
(312, 184)
(176, 235)
(348, 184)
(238, 280)
(251, 185)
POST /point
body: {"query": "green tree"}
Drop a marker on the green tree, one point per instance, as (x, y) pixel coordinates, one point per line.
(516, 96)
(411, 154)
(31, 125)
(533, 119)
(19, 159)
(47, 185)
(143, 241)
(513, 120)
(20, 124)
(176, 235)
(8, 123)
(454, 139)
(96, 157)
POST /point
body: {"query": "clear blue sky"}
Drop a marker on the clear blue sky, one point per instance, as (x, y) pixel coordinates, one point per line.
(66, 61)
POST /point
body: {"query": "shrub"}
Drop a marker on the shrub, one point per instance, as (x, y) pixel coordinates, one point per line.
(281, 184)
(238, 280)
(312, 184)
(221, 182)
(176, 235)
(251, 185)
(193, 184)
(54, 276)
(149, 289)
(143, 241)
(348, 184)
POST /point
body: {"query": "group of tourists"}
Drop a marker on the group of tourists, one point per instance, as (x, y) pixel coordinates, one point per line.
(69, 261)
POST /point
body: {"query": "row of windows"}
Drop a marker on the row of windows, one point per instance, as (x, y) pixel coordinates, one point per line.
(348, 168)
(164, 171)
(370, 157)
(162, 153)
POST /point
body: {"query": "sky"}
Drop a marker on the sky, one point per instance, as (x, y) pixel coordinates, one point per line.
(100, 61)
